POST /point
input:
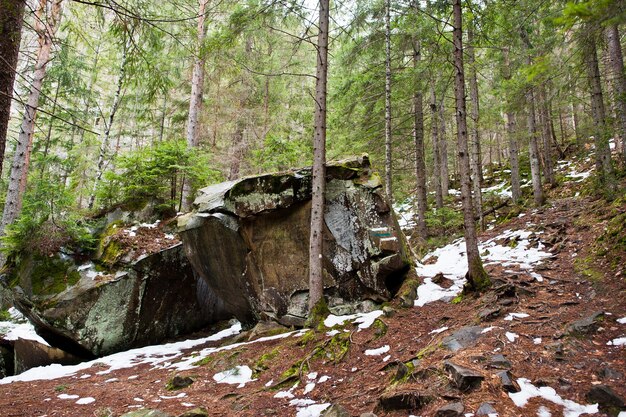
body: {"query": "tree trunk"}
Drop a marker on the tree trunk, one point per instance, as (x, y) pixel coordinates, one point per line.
(443, 148)
(238, 149)
(535, 170)
(46, 148)
(436, 147)
(104, 144)
(601, 133)
(195, 101)
(47, 20)
(10, 35)
(477, 278)
(616, 64)
(475, 155)
(546, 135)
(418, 139)
(316, 277)
(388, 157)
(511, 134)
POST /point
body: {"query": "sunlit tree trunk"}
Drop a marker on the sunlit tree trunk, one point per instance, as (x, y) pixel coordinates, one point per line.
(418, 139)
(11, 16)
(316, 277)
(48, 17)
(195, 101)
(477, 278)
(616, 64)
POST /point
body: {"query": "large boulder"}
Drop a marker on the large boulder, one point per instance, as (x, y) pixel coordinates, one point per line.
(96, 312)
(248, 240)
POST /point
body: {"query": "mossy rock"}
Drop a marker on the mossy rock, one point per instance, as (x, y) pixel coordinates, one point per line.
(45, 276)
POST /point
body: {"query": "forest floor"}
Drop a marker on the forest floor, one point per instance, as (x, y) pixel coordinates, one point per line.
(395, 366)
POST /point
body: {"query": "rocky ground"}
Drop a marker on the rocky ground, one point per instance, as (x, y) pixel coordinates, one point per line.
(546, 340)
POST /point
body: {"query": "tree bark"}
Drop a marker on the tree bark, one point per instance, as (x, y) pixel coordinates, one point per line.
(436, 148)
(48, 16)
(316, 277)
(443, 148)
(475, 156)
(418, 139)
(477, 278)
(616, 64)
(195, 101)
(10, 35)
(546, 135)
(388, 154)
(604, 166)
(516, 189)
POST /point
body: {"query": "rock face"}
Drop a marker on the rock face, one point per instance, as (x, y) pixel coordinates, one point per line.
(142, 303)
(248, 240)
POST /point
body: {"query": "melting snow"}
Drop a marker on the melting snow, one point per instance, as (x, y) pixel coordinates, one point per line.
(14, 331)
(511, 316)
(377, 352)
(364, 320)
(528, 391)
(622, 320)
(543, 412)
(239, 375)
(86, 400)
(511, 336)
(437, 331)
(68, 396)
(620, 341)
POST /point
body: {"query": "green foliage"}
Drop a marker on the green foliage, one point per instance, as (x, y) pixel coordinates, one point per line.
(444, 221)
(155, 174)
(5, 315)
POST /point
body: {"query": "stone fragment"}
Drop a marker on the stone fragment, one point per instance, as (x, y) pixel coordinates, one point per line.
(450, 410)
(506, 381)
(607, 399)
(196, 412)
(485, 409)
(179, 382)
(586, 325)
(335, 410)
(499, 361)
(464, 337)
(402, 400)
(463, 378)
(144, 412)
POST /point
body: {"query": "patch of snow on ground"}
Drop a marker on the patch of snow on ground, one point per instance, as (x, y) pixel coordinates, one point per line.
(511, 336)
(620, 341)
(323, 379)
(437, 331)
(312, 410)
(86, 400)
(528, 391)
(14, 331)
(364, 320)
(68, 396)
(543, 412)
(511, 316)
(153, 355)
(286, 394)
(239, 375)
(377, 352)
(622, 320)
(499, 189)
(452, 263)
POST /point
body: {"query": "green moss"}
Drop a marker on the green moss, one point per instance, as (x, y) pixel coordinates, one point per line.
(336, 349)
(427, 351)
(585, 267)
(380, 328)
(292, 374)
(262, 362)
(60, 388)
(306, 338)
(457, 299)
(5, 315)
(51, 276)
(317, 315)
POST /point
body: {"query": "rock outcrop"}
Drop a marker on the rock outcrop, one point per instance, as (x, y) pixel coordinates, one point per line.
(140, 303)
(248, 240)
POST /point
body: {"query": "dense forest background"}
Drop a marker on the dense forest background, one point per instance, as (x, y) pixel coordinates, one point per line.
(147, 101)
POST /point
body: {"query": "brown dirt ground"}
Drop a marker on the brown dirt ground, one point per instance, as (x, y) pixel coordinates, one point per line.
(357, 381)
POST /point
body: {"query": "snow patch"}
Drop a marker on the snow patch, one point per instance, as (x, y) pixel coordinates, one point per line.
(364, 320)
(239, 375)
(377, 352)
(511, 336)
(437, 331)
(86, 400)
(512, 316)
(528, 391)
(620, 341)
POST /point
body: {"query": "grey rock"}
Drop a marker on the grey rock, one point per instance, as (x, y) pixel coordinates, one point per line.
(29, 354)
(388, 311)
(196, 412)
(487, 314)
(450, 410)
(368, 415)
(402, 400)
(144, 412)
(499, 361)
(485, 409)
(506, 381)
(266, 328)
(606, 398)
(586, 325)
(179, 382)
(259, 266)
(463, 378)
(609, 373)
(464, 337)
(336, 410)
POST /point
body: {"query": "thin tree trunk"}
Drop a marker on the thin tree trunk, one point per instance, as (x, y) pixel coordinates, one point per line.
(604, 166)
(535, 170)
(512, 137)
(616, 64)
(104, 144)
(316, 277)
(436, 147)
(10, 35)
(46, 149)
(388, 155)
(46, 25)
(477, 278)
(546, 135)
(418, 139)
(238, 149)
(195, 101)
(443, 149)
(475, 155)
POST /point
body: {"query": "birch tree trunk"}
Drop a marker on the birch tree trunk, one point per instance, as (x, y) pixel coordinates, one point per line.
(616, 64)
(436, 148)
(477, 278)
(388, 156)
(316, 277)
(48, 17)
(418, 139)
(475, 156)
(10, 35)
(195, 101)
(604, 166)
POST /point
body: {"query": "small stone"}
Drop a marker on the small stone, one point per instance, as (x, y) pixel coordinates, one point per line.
(438, 279)
(586, 325)
(499, 361)
(488, 314)
(606, 398)
(266, 328)
(196, 412)
(507, 383)
(144, 412)
(179, 382)
(464, 337)
(609, 373)
(450, 410)
(388, 311)
(402, 400)
(462, 377)
(336, 410)
(368, 415)
(485, 409)
(401, 372)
